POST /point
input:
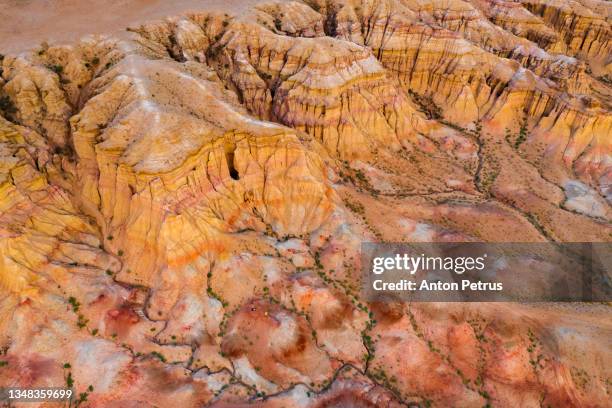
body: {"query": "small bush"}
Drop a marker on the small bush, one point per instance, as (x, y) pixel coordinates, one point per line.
(427, 105)
(58, 69)
(522, 136)
(7, 106)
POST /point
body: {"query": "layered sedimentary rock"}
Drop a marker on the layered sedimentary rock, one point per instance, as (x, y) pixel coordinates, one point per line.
(184, 210)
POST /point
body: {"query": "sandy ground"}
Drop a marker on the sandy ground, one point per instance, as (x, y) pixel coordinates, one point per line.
(24, 24)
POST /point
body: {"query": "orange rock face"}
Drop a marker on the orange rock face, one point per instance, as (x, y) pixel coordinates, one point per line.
(181, 212)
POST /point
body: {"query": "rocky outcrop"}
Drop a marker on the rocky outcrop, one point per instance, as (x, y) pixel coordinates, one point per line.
(278, 76)
(184, 210)
(583, 27)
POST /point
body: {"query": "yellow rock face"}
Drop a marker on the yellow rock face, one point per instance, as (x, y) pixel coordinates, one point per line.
(181, 213)
(225, 172)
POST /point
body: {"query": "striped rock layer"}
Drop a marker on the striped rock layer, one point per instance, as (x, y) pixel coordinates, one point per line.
(181, 213)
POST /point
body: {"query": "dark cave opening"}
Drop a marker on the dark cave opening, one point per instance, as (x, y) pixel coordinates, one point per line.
(230, 166)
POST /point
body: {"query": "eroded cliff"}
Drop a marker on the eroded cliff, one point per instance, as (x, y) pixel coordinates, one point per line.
(182, 213)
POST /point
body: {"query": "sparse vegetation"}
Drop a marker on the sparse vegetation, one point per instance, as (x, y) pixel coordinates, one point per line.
(58, 69)
(82, 321)
(427, 105)
(423, 193)
(523, 134)
(7, 107)
(354, 206)
(69, 380)
(159, 356)
(278, 24)
(606, 79)
(488, 179)
(534, 350)
(580, 377)
(74, 303)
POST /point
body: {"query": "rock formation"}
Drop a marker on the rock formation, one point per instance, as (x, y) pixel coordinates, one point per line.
(182, 212)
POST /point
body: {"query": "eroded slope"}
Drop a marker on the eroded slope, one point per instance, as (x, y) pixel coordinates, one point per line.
(184, 211)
